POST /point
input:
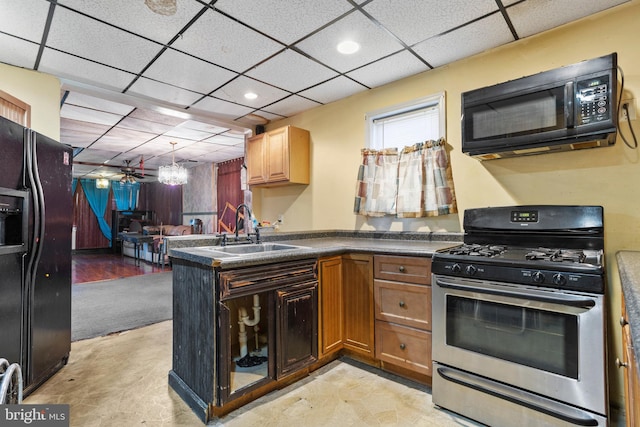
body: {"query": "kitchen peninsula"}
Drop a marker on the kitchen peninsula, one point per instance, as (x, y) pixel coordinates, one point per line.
(246, 324)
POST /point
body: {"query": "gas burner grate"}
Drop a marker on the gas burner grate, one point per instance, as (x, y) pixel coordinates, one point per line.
(478, 250)
(556, 255)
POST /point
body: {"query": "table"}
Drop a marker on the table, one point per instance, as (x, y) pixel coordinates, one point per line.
(137, 239)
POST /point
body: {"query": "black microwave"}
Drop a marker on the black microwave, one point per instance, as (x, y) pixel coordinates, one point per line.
(568, 108)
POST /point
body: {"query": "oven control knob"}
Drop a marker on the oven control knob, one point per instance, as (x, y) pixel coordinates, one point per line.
(559, 279)
(538, 277)
(471, 270)
(455, 268)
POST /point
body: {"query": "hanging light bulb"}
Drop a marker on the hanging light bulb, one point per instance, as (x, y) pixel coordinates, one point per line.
(172, 174)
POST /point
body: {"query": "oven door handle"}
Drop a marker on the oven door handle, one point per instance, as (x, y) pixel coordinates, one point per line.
(566, 300)
(566, 413)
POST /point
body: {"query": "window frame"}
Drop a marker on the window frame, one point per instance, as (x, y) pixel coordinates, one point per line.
(435, 100)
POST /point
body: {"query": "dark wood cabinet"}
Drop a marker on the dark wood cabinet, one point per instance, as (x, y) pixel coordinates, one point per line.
(297, 331)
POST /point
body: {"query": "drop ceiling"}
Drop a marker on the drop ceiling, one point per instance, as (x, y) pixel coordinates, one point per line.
(134, 80)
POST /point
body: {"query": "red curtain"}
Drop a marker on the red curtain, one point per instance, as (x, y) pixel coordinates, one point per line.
(229, 193)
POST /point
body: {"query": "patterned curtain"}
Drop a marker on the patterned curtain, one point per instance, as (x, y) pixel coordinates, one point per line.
(376, 188)
(416, 183)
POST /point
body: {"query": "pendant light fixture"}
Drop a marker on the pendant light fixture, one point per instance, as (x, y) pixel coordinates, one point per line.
(172, 174)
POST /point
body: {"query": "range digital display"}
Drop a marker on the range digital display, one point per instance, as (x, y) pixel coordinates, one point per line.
(524, 216)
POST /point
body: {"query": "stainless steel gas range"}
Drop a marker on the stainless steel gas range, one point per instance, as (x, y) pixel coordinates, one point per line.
(519, 318)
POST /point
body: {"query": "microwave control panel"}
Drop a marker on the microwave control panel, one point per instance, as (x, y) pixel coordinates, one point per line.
(594, 98)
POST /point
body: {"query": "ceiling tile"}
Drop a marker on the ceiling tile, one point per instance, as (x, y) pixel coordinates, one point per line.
(374, 43)
(532, 17)
(223, 109)
(88, 115)
(95, 155)
(225, 140)
(225, 42)
(134, 16)
(234, 91)
(26, 21)
(393, 68)
(282, 20)
(94, 103)
(206, 127)
(300, 72)
(292, 105)
(155, 116)
(188, 72)
(144, 125)
(100, 42)
(80, 70)
(416, 20)
(163, 92)
(122, 139)
(340, 87)
(267, 116)
(18, 52)
(469, 40)
(183, 132)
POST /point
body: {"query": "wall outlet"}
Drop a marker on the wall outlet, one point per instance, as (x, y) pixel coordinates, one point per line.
(631, 106)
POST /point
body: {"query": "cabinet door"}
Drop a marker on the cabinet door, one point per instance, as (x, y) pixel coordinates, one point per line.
(631, 380)
(297, 327)
(357, 287)
(278, 155)
(331, 305)
(255, 159)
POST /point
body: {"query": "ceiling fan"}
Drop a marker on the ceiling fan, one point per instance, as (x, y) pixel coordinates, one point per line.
(130, 173)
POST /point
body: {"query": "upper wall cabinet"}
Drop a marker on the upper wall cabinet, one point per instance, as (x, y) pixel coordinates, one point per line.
(278, 157)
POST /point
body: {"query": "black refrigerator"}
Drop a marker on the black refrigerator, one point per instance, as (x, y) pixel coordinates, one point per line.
(36, 210)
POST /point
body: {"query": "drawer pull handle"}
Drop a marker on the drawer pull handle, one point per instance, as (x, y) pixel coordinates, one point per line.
(623, 321)
(401, 304)
(620, 363)
(401, 268)
(402, 346)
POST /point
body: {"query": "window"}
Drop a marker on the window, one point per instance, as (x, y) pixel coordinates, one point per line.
(407, 124)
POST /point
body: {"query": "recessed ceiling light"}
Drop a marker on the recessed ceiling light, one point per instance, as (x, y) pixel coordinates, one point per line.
(250, 95)
(348, 47)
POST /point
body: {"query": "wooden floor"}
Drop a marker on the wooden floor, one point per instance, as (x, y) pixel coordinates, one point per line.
(93, 267)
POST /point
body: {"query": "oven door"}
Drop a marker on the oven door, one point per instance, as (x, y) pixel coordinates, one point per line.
(547, 342)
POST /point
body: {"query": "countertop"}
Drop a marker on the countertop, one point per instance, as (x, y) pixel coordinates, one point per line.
(323, 244)
(629, 268)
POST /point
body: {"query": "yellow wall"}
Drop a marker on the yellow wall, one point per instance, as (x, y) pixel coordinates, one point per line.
(605, 176)
(41, 91)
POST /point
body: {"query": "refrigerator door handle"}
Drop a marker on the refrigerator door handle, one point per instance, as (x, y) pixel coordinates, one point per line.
(39, 206)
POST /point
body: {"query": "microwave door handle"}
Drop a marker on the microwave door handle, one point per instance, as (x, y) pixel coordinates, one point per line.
(569, 97)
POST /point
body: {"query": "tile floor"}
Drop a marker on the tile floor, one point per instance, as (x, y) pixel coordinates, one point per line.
(121, 380)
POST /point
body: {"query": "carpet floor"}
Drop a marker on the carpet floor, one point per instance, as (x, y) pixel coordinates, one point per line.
(105, 307)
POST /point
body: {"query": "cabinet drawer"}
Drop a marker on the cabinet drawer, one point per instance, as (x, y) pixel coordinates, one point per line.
(403, 303)
(405, 347)
(403, 269)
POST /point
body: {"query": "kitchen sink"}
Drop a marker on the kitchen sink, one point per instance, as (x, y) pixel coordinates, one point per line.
(248, 249)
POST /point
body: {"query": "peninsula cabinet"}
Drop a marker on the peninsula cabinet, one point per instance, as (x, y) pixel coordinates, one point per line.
(357, 276)
(402, 295)
(278, 157)
(631, 379)
(331, 310)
